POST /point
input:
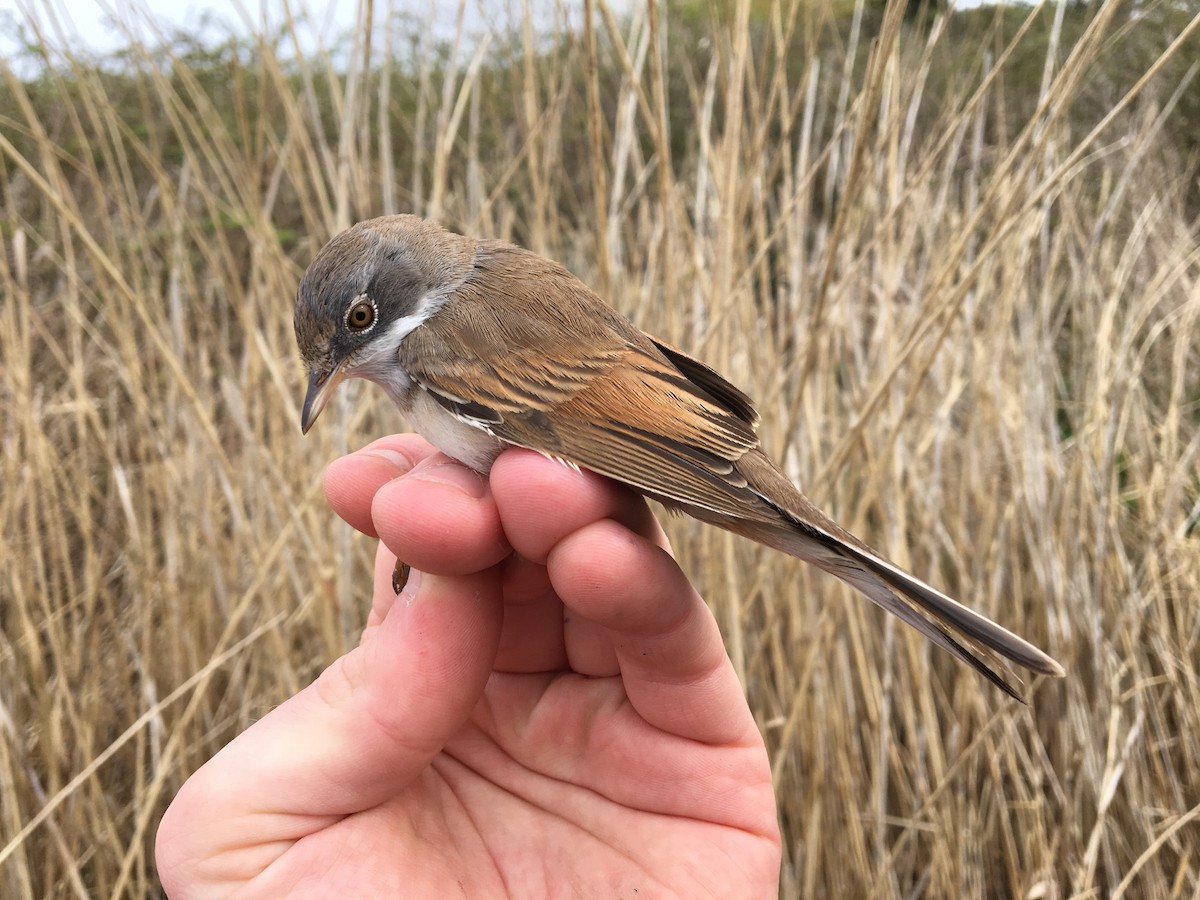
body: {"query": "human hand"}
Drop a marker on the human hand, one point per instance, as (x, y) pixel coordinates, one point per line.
(561, 720)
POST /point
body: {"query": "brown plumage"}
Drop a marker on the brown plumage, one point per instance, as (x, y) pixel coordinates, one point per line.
(485, 345)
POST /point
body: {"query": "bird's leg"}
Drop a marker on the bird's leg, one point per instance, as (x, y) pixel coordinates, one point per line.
(400, 576)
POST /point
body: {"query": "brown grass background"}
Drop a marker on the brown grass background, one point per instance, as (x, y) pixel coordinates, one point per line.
(972, 334)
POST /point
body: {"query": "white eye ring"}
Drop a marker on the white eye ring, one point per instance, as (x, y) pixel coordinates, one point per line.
(357, 303)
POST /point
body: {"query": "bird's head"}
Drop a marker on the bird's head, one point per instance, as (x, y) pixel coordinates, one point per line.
(364, 292)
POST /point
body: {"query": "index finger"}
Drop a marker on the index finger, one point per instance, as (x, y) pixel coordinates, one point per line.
(352, 481)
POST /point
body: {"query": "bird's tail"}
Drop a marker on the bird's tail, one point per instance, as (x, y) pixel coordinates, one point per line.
(791, 523)
(973, 638)
(943, 620)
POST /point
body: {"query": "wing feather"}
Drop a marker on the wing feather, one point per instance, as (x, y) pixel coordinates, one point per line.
(605, 381)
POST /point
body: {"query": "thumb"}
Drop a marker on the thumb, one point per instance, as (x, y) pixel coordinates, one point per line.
(359, 734)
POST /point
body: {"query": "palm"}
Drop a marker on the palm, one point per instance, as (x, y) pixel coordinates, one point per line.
(487, 740)
(533, 792)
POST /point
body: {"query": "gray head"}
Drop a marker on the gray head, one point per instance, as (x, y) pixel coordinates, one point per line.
(368, 288)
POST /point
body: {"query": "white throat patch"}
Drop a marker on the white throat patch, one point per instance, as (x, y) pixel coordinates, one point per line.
(377, 361)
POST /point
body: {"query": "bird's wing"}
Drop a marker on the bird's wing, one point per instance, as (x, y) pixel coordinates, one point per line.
(566, 375)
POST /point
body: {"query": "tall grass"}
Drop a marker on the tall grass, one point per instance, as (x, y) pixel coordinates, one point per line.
(968, 315)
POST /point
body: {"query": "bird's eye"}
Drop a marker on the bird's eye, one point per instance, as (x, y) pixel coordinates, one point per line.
(361, 315)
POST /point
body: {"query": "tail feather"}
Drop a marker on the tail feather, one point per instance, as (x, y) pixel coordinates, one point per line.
(971, 637)
(791, 523)
(970, 623)
(985, 663)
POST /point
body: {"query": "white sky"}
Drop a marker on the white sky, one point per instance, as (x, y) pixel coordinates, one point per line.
(95, 24)
(103, 25)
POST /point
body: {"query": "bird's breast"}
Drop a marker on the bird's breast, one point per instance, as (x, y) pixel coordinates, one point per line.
(469, 444)
(459, 439)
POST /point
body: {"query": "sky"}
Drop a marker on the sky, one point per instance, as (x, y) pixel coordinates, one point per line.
(95, 24)
(102, 26)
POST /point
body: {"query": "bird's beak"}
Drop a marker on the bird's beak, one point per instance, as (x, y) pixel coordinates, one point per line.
(321, 386)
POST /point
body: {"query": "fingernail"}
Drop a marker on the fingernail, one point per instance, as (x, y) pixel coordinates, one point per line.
(469, 482)
(393, 458)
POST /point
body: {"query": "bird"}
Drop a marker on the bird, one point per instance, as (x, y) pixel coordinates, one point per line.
(483, 345)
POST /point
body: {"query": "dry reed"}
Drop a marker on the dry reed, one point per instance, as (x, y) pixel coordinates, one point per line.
(972, 341)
